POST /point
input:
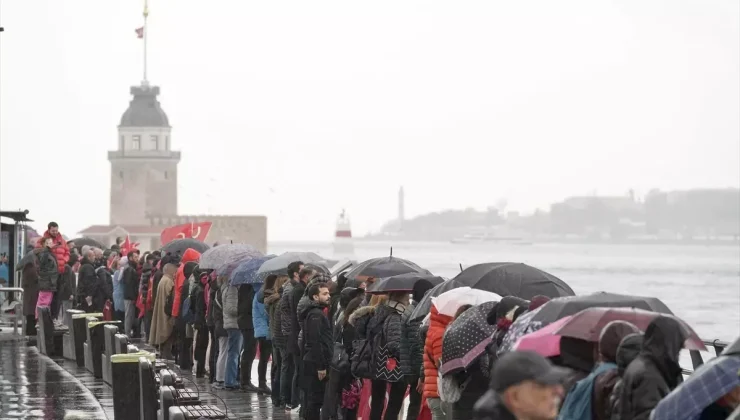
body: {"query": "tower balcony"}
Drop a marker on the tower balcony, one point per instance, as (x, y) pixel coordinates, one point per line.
(144, 154)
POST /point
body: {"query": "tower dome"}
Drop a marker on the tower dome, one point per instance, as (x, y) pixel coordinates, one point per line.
(144, 110)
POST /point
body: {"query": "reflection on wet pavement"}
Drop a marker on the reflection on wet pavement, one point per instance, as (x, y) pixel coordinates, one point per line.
(33, 386)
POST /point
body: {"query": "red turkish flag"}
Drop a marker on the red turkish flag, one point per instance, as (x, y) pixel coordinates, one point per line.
(127, 246)
(140, 32)
(197, 231)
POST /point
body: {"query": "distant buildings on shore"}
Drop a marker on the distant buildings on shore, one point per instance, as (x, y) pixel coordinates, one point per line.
(668, 216)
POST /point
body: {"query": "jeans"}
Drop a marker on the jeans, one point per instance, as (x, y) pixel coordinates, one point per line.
(275, 374)
(395, 399)
(233, 347)
(288, 383)
(128, 323)
(436, 406)
(222, 356)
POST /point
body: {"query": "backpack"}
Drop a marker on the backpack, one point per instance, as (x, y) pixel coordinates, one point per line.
(340, 359)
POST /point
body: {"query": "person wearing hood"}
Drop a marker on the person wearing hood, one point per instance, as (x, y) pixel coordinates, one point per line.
(48, 274)
(118, 300)
(524, 386)
(163, 325)
(627, 351)
(183, 330)
(655, 372)
(317, 348)
(261, 326)
(587, 399)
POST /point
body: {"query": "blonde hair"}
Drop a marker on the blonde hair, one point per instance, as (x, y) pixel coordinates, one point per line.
(279, 282)
(377, 300)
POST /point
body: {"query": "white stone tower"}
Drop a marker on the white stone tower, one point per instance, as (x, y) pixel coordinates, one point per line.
(144, 168)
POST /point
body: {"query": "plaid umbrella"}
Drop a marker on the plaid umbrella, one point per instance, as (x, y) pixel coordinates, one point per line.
(466, 338)
(225, 254)
(705, 386)
(247, 271)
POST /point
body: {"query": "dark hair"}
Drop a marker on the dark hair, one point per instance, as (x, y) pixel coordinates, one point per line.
(293, 268)
(270, 281)
(150, 257)
(130, 254)
(157, 253)
(52, 225)
(315, 289)
(462, 310)
(305, 273)
(352, 306)
(341, 280)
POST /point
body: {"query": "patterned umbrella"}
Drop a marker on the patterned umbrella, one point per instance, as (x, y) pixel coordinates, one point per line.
(466, 338)
(712, 380)
(279, 264)
(225, 254)
(247, 271)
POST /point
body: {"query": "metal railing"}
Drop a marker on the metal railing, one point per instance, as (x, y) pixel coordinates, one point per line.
(696, 357)
(17, 314)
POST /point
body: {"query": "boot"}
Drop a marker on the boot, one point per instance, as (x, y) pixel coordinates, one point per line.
(263, 388)
(249, 387)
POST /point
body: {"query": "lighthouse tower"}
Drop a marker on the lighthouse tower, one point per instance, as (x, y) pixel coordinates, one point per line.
(144, 168)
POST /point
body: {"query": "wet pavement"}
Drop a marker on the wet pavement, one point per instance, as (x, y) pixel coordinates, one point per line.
(34, 386)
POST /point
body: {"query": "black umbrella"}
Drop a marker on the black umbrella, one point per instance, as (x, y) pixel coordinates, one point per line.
(513, 279)
(179, 246)
(403, 283)
(424, 307)
(319, 268)
(384, 267)
(84, 240)
(466, 338)
(562, 307)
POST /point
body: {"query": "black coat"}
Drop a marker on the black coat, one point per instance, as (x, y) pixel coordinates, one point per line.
(654, 373)
(88, 285)
(318, 344)
(490, 407)
(244, 308)
(411, 348)
(66, 285)
(198, 302)
(47, 269)
(130, 283)
(146, 274)
(291, 339)
(388, 315)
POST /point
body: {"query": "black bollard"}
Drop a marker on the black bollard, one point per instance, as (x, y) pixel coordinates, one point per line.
(126, 382)
(96, 345)
(109, 333)
(68, 339)
(79, 322)
(147, 390)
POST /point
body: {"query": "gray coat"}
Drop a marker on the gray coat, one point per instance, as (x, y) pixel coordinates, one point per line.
(230, 299)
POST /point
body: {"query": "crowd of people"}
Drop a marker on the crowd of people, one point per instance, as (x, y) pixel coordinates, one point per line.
(332, 344)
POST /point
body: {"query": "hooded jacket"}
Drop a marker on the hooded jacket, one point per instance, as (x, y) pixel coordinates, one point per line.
(130, 282)
(190, 255)
(246, 302)
(655, 372)
(230, 300)
(271, 300)
(198, 301)
(433, 351)
(389, 315)
(47, 269)
(628, 350)
(59, 249)
(317, 341)
(260, 319)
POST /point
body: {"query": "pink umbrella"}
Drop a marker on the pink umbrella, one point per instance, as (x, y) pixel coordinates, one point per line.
(543, 341)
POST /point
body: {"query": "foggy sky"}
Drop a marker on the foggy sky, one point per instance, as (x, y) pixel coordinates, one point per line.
(296, 109)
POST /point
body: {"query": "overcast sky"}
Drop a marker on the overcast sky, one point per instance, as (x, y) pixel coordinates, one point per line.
(296, 109)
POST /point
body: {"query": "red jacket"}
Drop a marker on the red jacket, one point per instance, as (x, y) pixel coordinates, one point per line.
(433, 351)
(189, 255)
(59, 249)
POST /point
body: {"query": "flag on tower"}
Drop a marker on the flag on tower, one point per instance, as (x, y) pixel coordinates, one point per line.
(140, 32)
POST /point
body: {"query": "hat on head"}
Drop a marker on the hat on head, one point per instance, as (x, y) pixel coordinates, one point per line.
(516, 367)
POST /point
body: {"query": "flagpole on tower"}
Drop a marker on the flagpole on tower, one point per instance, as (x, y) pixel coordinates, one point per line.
(145, 82)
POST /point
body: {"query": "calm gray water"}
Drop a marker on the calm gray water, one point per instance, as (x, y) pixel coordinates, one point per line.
(701, 284)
